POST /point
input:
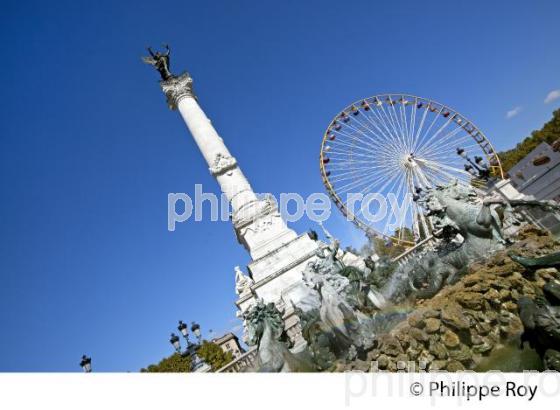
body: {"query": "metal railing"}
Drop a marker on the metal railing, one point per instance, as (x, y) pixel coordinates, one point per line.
(409, 253)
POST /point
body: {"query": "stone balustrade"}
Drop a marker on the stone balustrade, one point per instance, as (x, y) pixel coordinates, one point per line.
(242, 363)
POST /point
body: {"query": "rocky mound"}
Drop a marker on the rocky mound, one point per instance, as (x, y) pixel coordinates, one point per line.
(467, 321)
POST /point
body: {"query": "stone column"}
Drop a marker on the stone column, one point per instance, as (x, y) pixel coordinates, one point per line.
(221, 163)
(257, 223)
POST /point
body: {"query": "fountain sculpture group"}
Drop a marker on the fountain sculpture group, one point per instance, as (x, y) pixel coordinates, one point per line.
(348, 309)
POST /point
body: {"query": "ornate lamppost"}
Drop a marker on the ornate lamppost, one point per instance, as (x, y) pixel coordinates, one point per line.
(197, 364)
(85, 364)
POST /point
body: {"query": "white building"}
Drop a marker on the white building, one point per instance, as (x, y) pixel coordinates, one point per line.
(538, 174)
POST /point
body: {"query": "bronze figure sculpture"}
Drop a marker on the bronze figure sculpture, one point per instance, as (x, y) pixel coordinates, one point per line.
(160, 61)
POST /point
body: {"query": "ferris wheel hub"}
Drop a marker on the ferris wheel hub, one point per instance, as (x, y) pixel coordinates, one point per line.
(409, 161)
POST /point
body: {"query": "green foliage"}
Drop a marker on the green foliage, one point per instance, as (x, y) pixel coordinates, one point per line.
(549, 133)
(213, 354)
(391, 249)
(172, 364)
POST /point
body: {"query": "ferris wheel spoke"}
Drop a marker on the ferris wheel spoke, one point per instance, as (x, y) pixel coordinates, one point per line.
(413, 209)
(398, 133)
(390, 138)
(364, 152)
(368, 176)
(446, 145)
(372, 182)
(376, 143)
(436, 133)
(398, 143)
(386, 134)
(343, 176)
(399, 181)
(344, 162)
(361, 182)
(449, 171)
(449, 138)
(374, 132)
(438, 151)
(421, 126)
(439, 177)
(390, 125)
(366, 148)
(427, 132)
(413, 119)
(358, 131)
(402, 108)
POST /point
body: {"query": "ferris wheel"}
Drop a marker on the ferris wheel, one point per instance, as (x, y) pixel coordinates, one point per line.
(393, 146)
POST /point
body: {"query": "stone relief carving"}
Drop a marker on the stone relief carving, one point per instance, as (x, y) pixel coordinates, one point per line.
(222, 164)
(254, 211)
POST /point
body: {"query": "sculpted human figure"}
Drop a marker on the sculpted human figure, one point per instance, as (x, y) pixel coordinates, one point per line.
(160, 61)
(243, 282)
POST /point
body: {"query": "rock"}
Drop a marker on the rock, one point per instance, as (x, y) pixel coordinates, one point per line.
(469, 300)
(505, 294)
(438, 350)
(432, 325)
(472, 280)
(382, 362)
(416, 320)
(452, 315)
(547, 273)
(414, 353)
(389, 345)
(403, 357)
(476, 339)
(493, 337)
(483, 348)
(463, 354)
(360, 365)
(392, 367)
(512, 329)
(432, 313)
(450, 339)
(454, 366)
(505, 317)
(480, 287)
(510, 306)
(483, 328)
(501, 284)
(373, 354)
(492, 295)
(402, 362)
(492, 317)
(418, 334)
(425, 359)
(438, 365)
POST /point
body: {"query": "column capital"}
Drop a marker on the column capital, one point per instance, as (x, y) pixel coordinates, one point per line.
(176, 88)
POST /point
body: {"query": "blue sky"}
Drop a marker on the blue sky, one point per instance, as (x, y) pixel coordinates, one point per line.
(89, 150)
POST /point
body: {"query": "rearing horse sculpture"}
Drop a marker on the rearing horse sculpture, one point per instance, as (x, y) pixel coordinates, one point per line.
(265, 329)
